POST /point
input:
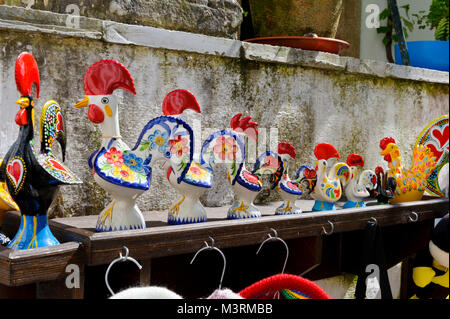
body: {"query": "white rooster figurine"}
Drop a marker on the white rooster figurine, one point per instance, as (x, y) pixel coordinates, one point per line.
(324, 187)
(357, 187)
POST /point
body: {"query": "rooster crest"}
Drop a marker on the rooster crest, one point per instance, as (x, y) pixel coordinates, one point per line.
(244, 125)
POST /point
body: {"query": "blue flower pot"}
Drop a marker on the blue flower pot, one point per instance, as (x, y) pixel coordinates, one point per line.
(426, 54)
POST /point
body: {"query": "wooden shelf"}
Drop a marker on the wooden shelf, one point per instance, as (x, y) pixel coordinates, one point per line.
(160, 239)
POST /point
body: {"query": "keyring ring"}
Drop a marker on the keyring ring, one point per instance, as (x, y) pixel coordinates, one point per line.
(120, 259)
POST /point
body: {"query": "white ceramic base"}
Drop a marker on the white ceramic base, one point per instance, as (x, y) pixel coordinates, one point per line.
(288, 208)
(187, 210)
(120, 215)
(243, 209)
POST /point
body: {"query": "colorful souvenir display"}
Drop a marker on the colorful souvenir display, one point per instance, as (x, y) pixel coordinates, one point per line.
(228, 147)
(384, 191)
(324, 186)
(411, 183)
(435, 136)
(33, 179)
(357, 187)
(277, 165)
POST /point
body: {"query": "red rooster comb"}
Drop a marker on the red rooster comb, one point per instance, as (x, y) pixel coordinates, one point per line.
(179, 100)
(105, 76)
(243, 125)
(385, 141)
(379, 170)
(355, 160)
(325, 151)
(27, 73)
(286, 148)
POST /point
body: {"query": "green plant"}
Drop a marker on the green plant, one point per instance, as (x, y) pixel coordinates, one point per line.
(436, 18)
(388, 30)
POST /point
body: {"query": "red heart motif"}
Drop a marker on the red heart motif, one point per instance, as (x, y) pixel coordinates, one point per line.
(309, 173)
(436, 153)
(292, 186)
(441, 137)
(250, 177)
(56, 165)
(337, 192)
(59, 123)
(15, 171)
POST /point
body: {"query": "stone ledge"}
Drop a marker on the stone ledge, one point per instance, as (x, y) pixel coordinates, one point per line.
(29, 20)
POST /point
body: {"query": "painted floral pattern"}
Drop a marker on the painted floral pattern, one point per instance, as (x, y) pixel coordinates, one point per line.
(198, 174)
(159, 140)
(114, 157)
(225, 148)
(133, 162)
(179, 146)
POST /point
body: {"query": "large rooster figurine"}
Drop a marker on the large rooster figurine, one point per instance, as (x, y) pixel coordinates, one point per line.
(278, 165)
(411, 183)
(227, 146)
(359, 184)
(33, 179)
(324, 187)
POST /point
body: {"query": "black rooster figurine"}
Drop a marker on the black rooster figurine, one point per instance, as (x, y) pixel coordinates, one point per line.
(32, 178)
(385, 187)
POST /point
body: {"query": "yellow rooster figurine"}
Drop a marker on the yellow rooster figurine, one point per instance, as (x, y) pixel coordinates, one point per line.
(411, 183)
(6, 204)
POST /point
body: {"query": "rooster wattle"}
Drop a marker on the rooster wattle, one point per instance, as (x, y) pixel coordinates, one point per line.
(33, 179)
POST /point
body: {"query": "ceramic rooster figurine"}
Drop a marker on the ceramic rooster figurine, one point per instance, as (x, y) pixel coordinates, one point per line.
(170, 140)
(33, 179)
(385, 188)
(357, 187)
(411, 183)
(124, 177)
(227, 146)
(324, 187)
(288, 189)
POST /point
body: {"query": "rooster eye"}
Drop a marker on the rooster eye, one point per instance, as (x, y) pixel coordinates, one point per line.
(105, 100)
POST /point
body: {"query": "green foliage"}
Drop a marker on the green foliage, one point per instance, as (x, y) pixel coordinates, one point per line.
(436, 18)
(388, 29)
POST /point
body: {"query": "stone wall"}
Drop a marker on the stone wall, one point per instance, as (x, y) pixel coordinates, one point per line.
(309, 97)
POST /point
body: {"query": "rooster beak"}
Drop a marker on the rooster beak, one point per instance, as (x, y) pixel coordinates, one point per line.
(24, 102)
(384, 152)
(83, 103)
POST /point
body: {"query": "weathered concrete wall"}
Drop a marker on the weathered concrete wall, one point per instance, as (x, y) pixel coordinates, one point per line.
(221, 18)
(309, 97)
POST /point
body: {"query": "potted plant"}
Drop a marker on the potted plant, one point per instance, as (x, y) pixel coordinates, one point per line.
(431, 54)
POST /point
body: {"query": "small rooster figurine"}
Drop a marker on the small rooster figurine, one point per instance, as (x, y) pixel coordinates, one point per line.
(385, 188)
(357, 188)
(324, 187)
(411, 183)
(228, 147)
(288, 189)
(33, 179)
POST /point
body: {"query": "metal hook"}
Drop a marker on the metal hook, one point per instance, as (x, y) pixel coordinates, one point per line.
(221, 253)
(276, 238)
(416, 217)
(373, 220)
(120, 258)
(331, 231)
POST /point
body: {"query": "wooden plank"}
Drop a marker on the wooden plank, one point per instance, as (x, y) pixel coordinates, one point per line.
(20, 267)
(162, 240)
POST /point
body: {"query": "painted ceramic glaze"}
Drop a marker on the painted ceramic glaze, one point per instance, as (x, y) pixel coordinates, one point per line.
(227, 147)
(410, 183)
(359, 184)
(384, 191)
(325, 185)
(118, 172)
(435, 136)
(33, 178)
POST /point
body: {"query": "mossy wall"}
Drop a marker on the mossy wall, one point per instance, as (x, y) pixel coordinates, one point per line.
(306, 105)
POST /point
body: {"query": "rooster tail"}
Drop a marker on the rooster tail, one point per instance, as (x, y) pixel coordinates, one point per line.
(224, 147)
(368, 179)
(169, 139)
(271, 163)
(342, 172)
(52, 128)
(306, 177)
(424, 163)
